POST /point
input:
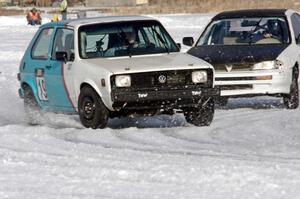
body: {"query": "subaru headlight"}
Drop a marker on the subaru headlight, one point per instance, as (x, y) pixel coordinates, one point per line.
(267, 65)
(123, 81)
(199, 77)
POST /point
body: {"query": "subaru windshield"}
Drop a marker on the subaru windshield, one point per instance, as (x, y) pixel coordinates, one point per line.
(246, 31)
(124, 39)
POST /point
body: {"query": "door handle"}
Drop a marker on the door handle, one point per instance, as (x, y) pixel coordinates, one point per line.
(48, 67)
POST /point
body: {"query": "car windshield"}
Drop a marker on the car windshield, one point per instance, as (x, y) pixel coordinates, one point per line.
(246, 31)
(124, 39)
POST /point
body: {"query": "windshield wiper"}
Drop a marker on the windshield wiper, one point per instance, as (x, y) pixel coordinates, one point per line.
(161, 40)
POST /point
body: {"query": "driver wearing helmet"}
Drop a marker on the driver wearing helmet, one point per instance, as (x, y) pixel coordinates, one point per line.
(124, 41)
(272, 29)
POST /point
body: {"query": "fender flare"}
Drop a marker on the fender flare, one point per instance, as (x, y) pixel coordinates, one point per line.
(31, 85)
(92, 85)
(96, 89)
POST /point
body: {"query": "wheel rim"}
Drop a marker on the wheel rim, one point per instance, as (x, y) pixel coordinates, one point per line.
(88, 108)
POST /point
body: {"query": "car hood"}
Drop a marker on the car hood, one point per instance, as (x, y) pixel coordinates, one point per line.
(148, 63)
(238, 54)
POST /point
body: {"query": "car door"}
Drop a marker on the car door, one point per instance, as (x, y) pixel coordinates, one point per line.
(58, 93)
(40, 57)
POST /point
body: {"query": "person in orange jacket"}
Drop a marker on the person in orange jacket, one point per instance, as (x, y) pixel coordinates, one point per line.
(34, 17)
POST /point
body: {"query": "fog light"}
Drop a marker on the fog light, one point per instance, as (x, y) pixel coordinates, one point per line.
(269, 77)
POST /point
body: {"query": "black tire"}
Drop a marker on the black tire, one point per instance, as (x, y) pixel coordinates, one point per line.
(201, 116)
(222, 101)
(31, 107)
(291, 101)
(92, 111)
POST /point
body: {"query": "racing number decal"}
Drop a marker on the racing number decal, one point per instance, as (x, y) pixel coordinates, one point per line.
(42, 91)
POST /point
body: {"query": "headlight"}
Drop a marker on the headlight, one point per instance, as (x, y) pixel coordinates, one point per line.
(123, 81)
(199, 77)
(267, 65)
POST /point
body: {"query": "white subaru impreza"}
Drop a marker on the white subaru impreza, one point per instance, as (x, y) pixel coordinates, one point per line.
(254, 52)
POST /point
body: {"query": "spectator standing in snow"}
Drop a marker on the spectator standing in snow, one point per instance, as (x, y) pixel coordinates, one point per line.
(63, 6)
(33, 17)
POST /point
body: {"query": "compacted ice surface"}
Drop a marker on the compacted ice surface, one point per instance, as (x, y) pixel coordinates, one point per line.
(251, 150)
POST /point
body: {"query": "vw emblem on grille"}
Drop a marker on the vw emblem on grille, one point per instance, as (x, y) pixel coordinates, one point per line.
(228, 68)
(162, 79)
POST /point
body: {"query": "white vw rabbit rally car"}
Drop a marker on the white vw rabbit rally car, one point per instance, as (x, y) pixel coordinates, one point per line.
(108, 67)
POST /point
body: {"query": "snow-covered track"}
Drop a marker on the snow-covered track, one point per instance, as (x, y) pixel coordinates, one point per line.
(251, 150)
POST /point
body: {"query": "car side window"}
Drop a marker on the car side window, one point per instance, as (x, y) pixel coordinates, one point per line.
(296, 24)
(64, 41)
(40, 48)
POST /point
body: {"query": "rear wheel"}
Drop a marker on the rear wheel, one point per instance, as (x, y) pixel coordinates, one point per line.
(92, 111)
(31, 107)
(291, 101)
(201, 116)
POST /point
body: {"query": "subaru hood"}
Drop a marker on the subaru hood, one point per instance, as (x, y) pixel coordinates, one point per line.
(238, 53)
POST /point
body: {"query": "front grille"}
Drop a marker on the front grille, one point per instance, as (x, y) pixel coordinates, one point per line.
(233, 67)
(174, 78)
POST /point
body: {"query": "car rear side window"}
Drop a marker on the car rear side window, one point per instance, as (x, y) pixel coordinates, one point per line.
(40, 49)
(296, 24)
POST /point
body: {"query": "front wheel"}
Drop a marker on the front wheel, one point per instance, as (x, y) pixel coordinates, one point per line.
(92, 111)
(201, 116)
(291, 100)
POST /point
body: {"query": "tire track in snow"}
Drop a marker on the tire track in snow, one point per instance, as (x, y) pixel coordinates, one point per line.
(179, 151)
(185, 148)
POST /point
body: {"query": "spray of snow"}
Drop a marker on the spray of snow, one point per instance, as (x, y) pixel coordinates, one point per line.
(251, 150)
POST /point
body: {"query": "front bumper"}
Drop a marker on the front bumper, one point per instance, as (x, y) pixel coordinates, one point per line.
(153, 99)
(260, 82)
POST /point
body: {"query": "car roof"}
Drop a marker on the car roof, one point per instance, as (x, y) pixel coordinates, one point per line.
(251, 13)
(96, 20)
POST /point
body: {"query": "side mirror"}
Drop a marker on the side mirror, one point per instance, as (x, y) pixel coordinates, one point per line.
(179, 45)
(72, 57)
(188, 41)
(61, 56)
(298, 39)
